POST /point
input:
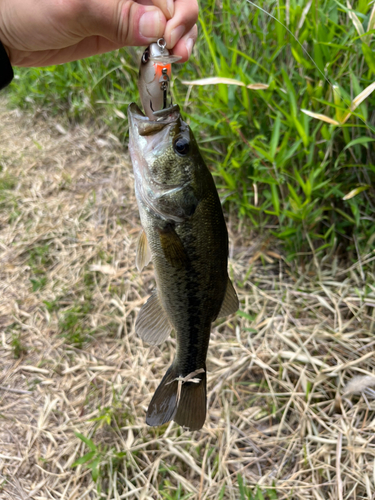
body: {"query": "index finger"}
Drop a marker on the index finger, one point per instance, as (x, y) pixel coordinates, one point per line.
(166, 6)
(184, 18)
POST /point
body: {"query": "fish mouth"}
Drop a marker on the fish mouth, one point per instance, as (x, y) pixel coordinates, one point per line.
(151, 136)
(141, 124)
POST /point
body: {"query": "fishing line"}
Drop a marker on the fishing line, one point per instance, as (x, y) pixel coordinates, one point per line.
(341, 97)
(302, 47)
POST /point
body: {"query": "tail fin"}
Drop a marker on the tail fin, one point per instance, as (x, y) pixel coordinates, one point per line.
(179, 400)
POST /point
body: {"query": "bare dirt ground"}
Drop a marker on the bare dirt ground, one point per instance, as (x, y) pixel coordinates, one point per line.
(291, 383)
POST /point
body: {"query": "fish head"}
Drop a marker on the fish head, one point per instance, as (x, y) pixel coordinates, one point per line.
(166, 162)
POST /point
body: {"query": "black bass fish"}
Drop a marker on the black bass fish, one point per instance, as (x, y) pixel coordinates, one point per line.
(186, 237)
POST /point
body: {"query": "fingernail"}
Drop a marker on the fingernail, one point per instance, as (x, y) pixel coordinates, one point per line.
(189, 46)
(149, 24)
(176, 35)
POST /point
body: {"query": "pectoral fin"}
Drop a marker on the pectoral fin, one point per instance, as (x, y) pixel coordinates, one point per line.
(172, 247)
(143, 255)
(230, 303)
(152, 323)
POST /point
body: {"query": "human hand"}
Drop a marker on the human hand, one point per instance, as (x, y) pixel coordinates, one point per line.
(44, 32)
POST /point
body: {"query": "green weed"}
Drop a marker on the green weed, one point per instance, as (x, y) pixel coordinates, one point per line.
(38, 284)
(72, 324)
(7, 200)
(115, 415)
(92, 460)
(39, 256)
(39, 261)
(17, 345)
(103, 462)
(170, 492)
(7, 182)
(256, 493)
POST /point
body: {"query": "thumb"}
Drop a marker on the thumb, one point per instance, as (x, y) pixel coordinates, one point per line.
(125, 22)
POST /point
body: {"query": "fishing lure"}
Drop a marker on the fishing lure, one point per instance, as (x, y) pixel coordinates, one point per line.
(154, 78)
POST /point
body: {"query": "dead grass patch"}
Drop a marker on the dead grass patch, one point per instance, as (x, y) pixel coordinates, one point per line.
(281, 414)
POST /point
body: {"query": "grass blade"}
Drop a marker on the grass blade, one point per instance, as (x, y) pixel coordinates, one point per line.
(321, 117)
(370, 26)
(215, 80)
(353, 16)
(359, 99)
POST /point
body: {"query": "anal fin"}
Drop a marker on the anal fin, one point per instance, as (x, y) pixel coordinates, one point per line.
(152, 323)
(230, 303)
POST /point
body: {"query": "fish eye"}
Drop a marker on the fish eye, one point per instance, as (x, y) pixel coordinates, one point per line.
(181, 146)
(146, 56)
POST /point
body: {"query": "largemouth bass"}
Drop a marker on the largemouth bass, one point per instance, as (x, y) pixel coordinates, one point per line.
(186, 237)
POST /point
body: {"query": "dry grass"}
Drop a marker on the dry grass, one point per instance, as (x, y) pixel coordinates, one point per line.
(280, 412)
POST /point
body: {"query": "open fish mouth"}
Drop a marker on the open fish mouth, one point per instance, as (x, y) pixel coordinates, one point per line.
(148, 137)
(141, 124)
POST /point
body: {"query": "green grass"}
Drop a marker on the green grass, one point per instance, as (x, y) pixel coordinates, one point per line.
(281, 170)
(248, 493)
(39, 262)
(17, 346)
